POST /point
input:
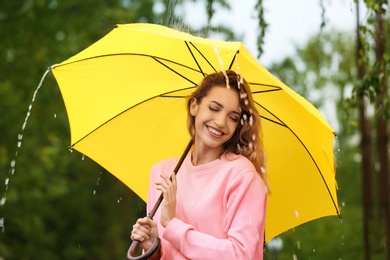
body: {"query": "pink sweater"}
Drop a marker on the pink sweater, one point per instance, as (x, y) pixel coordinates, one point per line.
(220, 210)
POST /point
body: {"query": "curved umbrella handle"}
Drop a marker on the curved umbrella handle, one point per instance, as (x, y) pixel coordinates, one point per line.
(156, 242)
(134, 246)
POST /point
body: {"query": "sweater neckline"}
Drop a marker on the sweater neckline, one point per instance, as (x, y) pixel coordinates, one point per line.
(203, 167)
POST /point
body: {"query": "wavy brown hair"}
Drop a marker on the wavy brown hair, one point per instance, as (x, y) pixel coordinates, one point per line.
(247, 139)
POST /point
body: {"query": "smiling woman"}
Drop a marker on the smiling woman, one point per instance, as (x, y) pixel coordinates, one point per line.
(215, 208)
(124, 96)
(216, 118)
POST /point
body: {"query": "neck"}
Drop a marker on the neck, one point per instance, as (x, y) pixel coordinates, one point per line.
(202, 155)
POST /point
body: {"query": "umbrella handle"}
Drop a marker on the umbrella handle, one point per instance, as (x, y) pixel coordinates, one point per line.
(134, 246)
(156, 242)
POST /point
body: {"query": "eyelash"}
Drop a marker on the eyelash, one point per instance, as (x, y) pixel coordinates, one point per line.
(234, 119)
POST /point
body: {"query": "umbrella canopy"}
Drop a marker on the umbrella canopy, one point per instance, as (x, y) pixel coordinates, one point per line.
(125, 100)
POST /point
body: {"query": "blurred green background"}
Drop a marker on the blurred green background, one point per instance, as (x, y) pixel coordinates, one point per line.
(56, 204)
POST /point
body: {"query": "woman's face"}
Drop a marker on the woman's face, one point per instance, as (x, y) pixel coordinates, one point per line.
(216, 117)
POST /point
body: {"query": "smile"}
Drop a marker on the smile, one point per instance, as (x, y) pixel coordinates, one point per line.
(215, 131)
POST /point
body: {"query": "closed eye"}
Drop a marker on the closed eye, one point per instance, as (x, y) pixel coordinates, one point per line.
(234, 119)
(215, 109)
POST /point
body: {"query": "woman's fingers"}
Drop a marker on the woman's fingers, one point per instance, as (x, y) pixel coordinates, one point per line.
(141, 230)
(168, 187)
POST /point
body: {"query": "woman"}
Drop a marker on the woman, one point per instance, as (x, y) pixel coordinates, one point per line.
(215, 207)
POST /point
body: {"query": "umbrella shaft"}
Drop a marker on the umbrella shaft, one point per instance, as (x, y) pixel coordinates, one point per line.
(178, 165)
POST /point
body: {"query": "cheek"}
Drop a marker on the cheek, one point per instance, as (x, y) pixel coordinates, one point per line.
(233, 127)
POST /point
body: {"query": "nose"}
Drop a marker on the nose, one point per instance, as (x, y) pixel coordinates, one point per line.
(220, 121)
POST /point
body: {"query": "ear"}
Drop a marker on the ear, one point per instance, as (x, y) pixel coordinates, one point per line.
(194, 107)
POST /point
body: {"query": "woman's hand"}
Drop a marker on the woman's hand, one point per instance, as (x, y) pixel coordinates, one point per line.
(144, 230)
(168, 188)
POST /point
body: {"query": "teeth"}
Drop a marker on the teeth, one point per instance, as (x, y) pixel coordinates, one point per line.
(214, 131)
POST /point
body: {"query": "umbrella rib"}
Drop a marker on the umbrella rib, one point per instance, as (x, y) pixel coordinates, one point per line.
(193, 56)
(171, 69)
(273, 88)
(307, 150)
(273, 121)
(234, 58)
(164, 95)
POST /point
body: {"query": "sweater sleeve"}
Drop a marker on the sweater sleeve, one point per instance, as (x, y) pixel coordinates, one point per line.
(245, 202)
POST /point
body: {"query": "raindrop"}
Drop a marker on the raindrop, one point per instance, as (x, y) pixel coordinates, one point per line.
(82, 158)
(343, 203)
(70, 149)
(55, 115)
(216, 49)
(314, 250)
(94, 192)
(19, 143)
(296, 213)
(295, 257)
(10, 55)
(13, 162)
(60, 36)
(2, 224)
(299, 244)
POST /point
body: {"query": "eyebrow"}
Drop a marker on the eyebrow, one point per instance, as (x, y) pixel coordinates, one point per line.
(220, 105)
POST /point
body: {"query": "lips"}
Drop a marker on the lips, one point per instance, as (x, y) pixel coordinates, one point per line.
(214, 131)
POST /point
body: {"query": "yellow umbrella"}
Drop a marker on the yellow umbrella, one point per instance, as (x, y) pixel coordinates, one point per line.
(124, 97)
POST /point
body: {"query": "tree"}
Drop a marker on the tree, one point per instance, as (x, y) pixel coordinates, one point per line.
(373, 63)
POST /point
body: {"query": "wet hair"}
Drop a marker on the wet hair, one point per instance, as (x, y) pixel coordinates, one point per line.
(247, 139)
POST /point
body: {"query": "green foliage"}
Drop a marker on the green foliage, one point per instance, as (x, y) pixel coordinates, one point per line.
(263, 25)
(376, 68)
